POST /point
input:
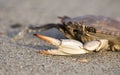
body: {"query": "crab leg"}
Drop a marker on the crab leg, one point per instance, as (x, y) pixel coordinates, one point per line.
(72, 47)
(31, 29)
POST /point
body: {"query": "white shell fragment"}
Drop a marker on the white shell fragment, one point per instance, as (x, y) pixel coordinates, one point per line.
(70, 43)
(92, 45)
(72, 47)
(71, 51)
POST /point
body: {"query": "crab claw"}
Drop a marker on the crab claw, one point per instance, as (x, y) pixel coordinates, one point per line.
(72, 47)
(65, 46)
(53, 41)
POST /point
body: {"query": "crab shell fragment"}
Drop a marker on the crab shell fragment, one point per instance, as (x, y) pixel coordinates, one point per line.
(85, 34)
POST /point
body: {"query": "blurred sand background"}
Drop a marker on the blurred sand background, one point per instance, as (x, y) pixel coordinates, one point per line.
(20, 58)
